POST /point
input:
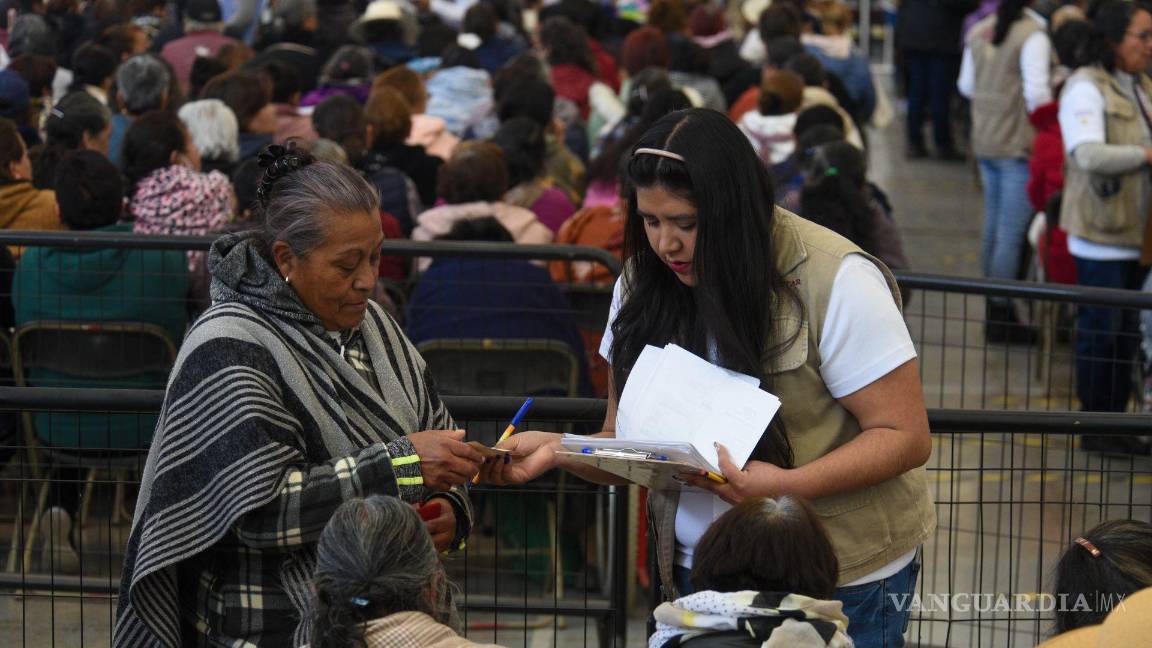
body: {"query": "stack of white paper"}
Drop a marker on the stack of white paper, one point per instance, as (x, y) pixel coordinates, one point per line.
(675, 396)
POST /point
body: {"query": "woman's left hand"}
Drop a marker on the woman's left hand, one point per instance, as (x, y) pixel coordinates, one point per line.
(442, 527)
(757, 479)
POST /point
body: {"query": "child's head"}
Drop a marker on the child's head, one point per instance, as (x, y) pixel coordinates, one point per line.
(767, 545)
(1113, 558)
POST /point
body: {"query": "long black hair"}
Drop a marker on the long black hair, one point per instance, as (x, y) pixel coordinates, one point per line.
(1007, 14)
(739, 291)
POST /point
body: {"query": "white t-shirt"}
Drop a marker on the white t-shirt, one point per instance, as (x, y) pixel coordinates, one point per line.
(1081, 122)
(864, 338)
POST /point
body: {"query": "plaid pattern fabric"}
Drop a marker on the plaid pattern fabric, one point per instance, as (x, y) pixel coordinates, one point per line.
(414, 630)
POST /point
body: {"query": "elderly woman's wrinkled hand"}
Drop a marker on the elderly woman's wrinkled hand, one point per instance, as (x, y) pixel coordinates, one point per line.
(445, 460)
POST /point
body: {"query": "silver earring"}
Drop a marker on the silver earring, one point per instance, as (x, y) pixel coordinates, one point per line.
(287, 280)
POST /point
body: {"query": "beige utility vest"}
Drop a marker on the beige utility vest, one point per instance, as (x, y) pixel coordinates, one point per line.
(1000, 126)
(1101, 208)
(869, 528)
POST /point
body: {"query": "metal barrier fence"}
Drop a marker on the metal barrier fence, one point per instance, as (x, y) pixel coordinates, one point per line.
(552, 564)
(544, 563)
(493, 291)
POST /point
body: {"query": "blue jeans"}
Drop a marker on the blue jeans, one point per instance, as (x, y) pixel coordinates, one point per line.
(1107, 339)
(931, 80)
(1007, 214)
(874, 620)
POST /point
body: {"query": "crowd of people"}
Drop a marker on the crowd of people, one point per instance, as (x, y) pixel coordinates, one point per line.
(304, 473)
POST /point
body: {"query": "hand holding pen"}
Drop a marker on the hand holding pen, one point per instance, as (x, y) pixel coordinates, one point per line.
(508, 431)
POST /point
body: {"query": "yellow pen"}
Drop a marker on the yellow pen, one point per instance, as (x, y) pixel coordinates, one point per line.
(719, 479)
(510, 429)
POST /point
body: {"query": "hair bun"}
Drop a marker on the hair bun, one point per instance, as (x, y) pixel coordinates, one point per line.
(277, 162)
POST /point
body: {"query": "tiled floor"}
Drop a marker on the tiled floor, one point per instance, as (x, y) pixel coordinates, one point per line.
(1006, 506)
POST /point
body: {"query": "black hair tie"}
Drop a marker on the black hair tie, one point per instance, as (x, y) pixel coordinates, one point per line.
(277, 162)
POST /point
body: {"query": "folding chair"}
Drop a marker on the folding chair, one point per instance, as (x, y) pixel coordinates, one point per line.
(112, 354)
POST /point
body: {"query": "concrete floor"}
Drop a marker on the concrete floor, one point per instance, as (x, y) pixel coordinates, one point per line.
(1007, 506)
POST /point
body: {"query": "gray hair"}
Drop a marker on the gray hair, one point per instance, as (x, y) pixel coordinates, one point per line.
(298, 201)
(30, 34)
(213, 128)
(143, 81)
(375, 558)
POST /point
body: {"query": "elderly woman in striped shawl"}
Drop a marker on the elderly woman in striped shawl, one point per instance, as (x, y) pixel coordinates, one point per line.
(292, 394)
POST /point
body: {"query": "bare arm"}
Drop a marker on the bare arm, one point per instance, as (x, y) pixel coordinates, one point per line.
(534, 453)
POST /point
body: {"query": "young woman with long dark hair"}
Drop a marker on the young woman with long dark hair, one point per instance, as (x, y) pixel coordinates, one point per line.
(715, 268)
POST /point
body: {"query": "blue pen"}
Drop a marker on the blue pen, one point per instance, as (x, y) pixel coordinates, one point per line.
(510, 429)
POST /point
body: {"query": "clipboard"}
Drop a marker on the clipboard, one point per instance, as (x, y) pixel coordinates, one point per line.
(649, 464)
(654, 474)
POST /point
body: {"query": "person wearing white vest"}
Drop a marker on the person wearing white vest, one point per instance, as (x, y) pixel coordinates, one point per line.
(1106, 120)
(715, 268)
(1005, 72)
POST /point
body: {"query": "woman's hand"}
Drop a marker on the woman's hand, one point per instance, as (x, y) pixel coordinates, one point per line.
(757, 479)
(445, 460)
(440, 518)
(533, 454)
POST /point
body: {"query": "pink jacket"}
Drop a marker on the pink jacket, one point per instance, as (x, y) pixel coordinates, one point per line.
(520, 223)
(432, 133)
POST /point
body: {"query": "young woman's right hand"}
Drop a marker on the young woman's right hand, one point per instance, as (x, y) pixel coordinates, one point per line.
(533, 454)
(445, 460)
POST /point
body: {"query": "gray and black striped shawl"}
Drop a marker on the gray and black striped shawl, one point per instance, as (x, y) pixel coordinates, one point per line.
(256, 388)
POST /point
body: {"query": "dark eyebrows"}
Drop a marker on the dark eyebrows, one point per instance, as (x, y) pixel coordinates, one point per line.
(680, 218)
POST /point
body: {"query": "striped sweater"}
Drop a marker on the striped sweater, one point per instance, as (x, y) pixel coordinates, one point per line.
(265, 430)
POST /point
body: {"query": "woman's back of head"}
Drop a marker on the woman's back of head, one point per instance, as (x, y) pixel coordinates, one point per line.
(349, 65)
(522, 141)
(213, 128)
(477, 172)
(245, 92)
(767, 545)
(644, 48)
(96, 192)
(567, 44)
(408, 83)
(77, 121)
(150, 144)
(374, 558)
(1113, 559)
(390, 117)
(781, 93)
(834, 191)
(341, 119)
(92, 65)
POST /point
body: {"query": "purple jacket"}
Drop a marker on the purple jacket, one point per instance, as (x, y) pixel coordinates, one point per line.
(317, 96)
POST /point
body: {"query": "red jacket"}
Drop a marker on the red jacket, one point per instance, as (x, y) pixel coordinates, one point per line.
(1046, 168)
(572, 82)
(606, 65)
(1045, 178)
